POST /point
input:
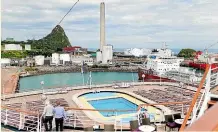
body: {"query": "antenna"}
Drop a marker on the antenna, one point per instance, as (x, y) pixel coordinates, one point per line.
(206, 49)
(164, 46)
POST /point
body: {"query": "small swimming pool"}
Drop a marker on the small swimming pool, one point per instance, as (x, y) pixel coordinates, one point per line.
(107, 102)
(113, 104)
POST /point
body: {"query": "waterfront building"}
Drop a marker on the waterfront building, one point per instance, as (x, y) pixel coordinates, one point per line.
(27, 47)
(80, 60)
(30, 61)
(64, 58)
(47, 61)
(60, 59)
(13, 47)
(5, 62)
(107, 55)
(55, 59)
(39, 60)
(99, 56)
(75, 50)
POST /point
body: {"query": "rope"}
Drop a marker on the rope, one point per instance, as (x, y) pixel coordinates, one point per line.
(68, 12)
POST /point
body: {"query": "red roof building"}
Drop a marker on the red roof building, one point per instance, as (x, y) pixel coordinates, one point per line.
(75, 50)
(71, 49)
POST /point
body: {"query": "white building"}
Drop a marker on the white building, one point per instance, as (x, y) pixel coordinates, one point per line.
(107, 54)
(5, 62)
(79, 60)
(39, 60)
(64, 58)
(13, 47)
(55, 59)
(27, 47)
(99, 57)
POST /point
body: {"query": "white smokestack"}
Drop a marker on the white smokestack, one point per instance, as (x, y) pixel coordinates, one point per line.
(102, 25)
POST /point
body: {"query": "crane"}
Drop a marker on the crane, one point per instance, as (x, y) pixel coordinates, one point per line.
(205, 50)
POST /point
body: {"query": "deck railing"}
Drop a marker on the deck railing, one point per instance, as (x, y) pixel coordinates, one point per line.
(194, 104)
(82, 118)
(20, 119)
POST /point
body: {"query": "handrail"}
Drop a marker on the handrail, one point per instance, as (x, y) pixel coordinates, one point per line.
(164, 103)
(194, 100)
(20, 110)
(107, 110)
(211, 102)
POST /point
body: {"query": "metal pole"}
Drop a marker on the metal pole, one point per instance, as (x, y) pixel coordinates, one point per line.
(82, 73)
(160, 79)
(42, 87)
(83, 78)
(90, 81)
(132, 77)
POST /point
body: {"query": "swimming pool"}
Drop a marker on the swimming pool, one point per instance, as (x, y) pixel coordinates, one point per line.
(114, 104)
(107, 102)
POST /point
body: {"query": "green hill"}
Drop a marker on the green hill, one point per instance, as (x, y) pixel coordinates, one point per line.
(54, 41)
(187, 53)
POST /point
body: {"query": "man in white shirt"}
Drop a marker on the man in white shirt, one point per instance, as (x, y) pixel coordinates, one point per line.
(48, 114)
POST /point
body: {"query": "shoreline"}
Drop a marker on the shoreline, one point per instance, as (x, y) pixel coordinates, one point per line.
(10, 80)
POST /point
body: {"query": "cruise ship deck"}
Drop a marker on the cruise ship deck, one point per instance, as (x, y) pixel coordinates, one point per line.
(23, 111)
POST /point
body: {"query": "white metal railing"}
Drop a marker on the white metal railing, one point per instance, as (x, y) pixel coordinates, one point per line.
(91, 118)
(210, 82)
(77, 118)
(19, 119)
(214, 78)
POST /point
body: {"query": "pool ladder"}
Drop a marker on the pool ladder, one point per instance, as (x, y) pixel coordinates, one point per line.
(112, 114)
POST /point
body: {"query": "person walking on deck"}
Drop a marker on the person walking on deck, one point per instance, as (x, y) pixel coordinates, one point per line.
(60, 115)
(48, 114)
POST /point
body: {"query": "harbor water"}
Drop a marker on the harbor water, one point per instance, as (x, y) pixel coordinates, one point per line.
(73, 79)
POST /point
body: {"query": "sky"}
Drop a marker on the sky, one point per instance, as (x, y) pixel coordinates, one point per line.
(129, 23)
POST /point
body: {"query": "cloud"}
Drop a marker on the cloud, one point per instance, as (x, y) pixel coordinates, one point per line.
(141, 23)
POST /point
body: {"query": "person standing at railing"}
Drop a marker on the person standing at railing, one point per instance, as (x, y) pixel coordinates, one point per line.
(60, 115)
(48, 114)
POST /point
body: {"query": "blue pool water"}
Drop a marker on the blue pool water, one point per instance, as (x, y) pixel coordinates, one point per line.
(99, 95)
(113, 103)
